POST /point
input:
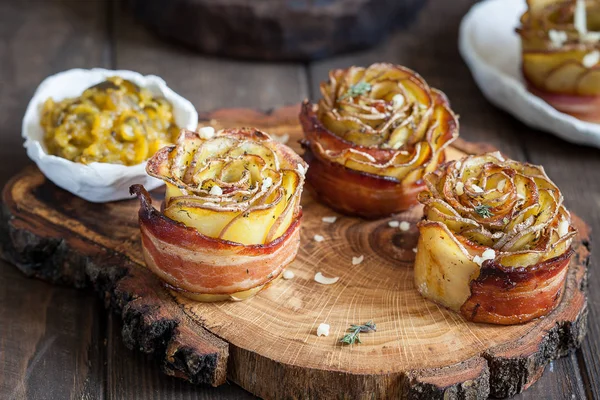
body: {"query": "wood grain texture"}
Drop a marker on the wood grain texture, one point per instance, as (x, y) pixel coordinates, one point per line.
(268, 344)
(272, 29)
(50, 337)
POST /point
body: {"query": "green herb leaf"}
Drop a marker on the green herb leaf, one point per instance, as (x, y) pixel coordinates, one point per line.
(484, 211)
(354, 331)
(357, 89)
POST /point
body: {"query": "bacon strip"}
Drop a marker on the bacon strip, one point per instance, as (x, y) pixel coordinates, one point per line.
(506, 296)
(368, 155)
(190, 261)
(358, 193)
(495, 244)
(585, 108)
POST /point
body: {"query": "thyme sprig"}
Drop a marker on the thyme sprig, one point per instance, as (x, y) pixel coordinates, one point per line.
(357, 89)
(353, 332)
(484, 211)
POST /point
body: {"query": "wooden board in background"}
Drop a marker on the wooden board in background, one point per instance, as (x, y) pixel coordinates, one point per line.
(268, 344)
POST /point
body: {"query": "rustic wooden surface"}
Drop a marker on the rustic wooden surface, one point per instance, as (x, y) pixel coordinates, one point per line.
(268, 344)
(60, 343)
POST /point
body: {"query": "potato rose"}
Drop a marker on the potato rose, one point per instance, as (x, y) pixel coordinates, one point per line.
(373, 136)
(560, 55)
(230, 221)
(495, 242)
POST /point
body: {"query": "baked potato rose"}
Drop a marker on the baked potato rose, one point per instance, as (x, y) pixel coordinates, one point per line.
(560, 54)
(371, 138)
(230, 221)
(495, 242)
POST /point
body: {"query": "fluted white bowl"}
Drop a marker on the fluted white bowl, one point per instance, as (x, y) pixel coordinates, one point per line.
(95, 182)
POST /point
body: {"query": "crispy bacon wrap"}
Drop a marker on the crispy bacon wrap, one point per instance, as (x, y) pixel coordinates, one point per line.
(560, 45)
(230, 221)
(495, 241)
(371, 138)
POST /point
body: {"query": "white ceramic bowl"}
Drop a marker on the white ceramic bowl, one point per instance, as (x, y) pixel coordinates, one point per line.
(95, 182)
(492, 50)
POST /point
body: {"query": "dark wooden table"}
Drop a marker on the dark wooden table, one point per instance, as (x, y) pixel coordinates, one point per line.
(60, 343)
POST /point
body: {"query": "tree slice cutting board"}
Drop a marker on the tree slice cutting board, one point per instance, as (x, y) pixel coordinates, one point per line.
(268, 344)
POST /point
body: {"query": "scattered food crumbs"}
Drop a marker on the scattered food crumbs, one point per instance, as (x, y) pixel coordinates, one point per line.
(215, 190)
(563, 228)
(501, 185)
(591, 59)
(357, 260)
(414, 250)
(318, 238)
(394, 224)
(287, 274)
(329, 220)
(301, 169)
(206, 132)
(398, 101)
(404, 226)
(319, 278)
(489, 254)
(281, 138)
(323, 330)
(267, 183)
(476, 189)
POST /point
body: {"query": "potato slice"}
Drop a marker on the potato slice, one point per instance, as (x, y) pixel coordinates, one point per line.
(443, 268)
(564, 78)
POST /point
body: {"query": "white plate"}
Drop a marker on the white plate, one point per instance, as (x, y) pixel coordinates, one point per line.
(95, 182)
(492, 50)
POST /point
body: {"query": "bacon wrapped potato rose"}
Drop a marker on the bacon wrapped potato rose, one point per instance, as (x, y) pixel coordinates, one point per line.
(230, 221)
(495, 241)
(371, 138)
(561, 54)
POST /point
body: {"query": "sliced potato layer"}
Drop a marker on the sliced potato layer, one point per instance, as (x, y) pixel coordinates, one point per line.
(235, 185)
(386, 120)
(487, 214)
(558, 56)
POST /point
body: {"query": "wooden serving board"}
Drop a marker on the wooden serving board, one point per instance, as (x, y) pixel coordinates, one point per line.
(268, 344)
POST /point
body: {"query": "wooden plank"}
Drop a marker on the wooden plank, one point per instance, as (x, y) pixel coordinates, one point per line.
(429, 46)
(50, 340)
(209, 84)
(575, 169)
(50, 337)
(561, 380)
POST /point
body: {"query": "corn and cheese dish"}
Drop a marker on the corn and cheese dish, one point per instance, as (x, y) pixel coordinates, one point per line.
(114, 122)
